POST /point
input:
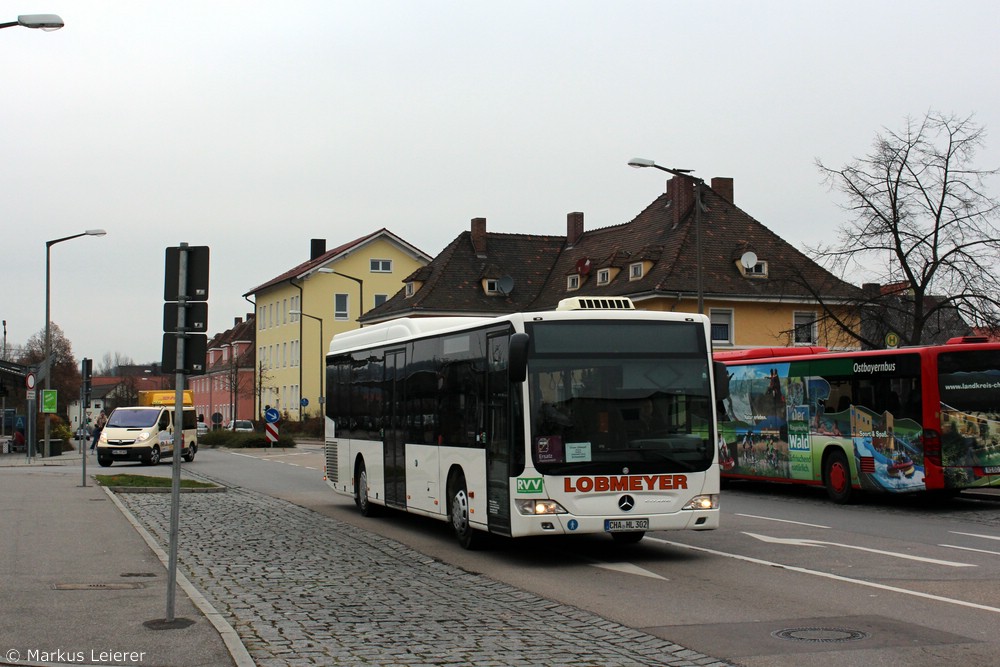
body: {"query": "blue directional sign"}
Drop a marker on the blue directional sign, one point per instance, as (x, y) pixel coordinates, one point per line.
(271, 416)
(304, 402)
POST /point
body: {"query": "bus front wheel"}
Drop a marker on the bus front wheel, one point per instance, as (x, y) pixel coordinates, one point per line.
(461, 523)
(837, 477)
(365, 506)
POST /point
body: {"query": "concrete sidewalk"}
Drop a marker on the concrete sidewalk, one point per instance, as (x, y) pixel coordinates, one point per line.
(82, 586)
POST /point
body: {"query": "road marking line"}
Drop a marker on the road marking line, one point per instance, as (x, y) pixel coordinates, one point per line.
(795, 542)
(985, 537)
(797, 523)
(978, 551)
(626, 568)
(827, 575)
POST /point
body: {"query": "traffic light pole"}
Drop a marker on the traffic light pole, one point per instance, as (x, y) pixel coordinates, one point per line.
(175, 487)
(86, 372)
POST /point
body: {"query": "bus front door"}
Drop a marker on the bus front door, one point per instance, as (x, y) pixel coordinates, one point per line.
(498, 436)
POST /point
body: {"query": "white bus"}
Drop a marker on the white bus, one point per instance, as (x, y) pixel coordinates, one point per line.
(592, 418)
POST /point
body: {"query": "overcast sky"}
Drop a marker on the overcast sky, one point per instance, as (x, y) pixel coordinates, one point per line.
(252, 127)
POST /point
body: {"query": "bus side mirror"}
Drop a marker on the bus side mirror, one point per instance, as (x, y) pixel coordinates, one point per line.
(517, 357)
(721, 380)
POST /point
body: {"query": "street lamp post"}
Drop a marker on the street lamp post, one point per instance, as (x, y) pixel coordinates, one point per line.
(699, 186)
(47, 362)
(359, 281)
(46, 22)
(322, 354)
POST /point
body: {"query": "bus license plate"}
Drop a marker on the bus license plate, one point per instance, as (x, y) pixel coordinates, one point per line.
(119, 452)
(625, 525)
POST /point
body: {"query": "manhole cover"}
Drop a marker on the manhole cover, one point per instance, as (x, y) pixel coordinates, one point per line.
(138, 574)
(98, 587)
(820, 635)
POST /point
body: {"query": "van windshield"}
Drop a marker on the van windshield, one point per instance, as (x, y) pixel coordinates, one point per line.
(137, 418)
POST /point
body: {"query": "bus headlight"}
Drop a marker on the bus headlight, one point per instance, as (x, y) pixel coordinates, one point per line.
(704, 502)
(539, 506)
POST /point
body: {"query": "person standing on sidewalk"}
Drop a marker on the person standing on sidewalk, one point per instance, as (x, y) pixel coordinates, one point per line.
(102, 419)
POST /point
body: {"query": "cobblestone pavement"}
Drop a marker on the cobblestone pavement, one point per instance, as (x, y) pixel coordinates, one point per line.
(304, 589)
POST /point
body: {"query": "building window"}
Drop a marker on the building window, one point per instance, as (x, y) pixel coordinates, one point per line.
(805, 328)
(635, 271)
(380, 299)
(604, 276)
(758, 270)
(573, 282)
(722, 326)
(340, 307)
(381, 265)
(410, 289)
(492, 286)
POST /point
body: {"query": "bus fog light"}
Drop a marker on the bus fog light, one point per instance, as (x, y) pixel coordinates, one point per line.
(704, 502)
(539, 506)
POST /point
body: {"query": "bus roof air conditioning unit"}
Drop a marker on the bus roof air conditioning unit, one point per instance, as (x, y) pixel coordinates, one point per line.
(596, 303)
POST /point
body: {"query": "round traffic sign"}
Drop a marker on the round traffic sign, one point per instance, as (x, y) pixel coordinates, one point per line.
(29, 380)
(271, 416)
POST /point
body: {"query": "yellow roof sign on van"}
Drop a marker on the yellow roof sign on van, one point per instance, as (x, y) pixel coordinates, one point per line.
(165, 397)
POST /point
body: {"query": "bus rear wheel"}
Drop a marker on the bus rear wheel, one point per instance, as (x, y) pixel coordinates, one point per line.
(461, 522)
(837, 477)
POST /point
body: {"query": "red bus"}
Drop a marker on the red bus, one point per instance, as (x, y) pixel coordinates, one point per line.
(891, 421)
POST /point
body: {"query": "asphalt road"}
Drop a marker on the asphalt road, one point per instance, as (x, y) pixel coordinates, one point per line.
(790, 579)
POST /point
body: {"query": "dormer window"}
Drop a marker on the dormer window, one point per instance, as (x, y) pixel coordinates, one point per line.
(603, 276)
(573, 282)
(758, 270)
(491, 286)
(411, 289)
(635, 271)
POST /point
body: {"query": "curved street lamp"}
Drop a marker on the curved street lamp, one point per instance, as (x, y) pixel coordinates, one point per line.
(699, 185)
(46, 22)
(48, 325)
(322, 358)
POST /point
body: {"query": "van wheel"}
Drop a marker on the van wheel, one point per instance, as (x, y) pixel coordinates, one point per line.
(191, 451)
(104, 461)
(154, 456)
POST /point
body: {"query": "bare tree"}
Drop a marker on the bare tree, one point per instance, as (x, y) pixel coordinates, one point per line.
(261, 386)
(110, 364)
(64, 373)
(923, 228)
(236, 383)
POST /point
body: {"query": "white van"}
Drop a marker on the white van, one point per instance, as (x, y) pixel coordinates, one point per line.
(146, 434)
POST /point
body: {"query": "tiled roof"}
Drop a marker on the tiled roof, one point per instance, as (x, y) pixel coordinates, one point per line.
(539, 265)
(310, 265)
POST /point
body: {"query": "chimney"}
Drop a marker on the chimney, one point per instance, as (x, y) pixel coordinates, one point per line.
(237, 321)
(574, 228)
(723, 187)
(479, 236)
(681, 191)
(317, 247)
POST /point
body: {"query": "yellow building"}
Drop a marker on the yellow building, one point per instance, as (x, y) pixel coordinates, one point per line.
(299, 311)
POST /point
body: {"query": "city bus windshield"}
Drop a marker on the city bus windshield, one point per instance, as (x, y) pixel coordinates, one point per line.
(619, 397)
